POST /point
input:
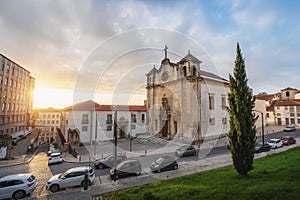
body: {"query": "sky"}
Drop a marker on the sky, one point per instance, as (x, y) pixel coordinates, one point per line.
(101, 50)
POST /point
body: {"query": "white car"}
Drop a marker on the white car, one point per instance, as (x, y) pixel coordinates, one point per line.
(275, 143)
(17, 186)
(55, 158)
(72, 177)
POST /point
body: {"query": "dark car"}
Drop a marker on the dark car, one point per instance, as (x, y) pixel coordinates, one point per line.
(185, 151)
(261, 148)
(164, 163)
(287, 140)
(109, 161)
(126, 168)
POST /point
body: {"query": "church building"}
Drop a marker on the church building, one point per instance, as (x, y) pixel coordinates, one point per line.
(185, 103)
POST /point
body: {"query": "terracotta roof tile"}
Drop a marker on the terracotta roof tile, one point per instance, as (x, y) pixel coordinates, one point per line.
(290, 102)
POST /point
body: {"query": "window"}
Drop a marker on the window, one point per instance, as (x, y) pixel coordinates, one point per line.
(287, 121)
(298, 121)
(278, 114)
(224, 120)
(223, 102)
(109, 119)
(292, 120)
(292, 114)
(85, 119)
(132, 126)
(84, 128)
(211, 121)
(287, 94)
(211, 101)
(108, 128)
(184, 71)
(292, 108)
(143, 118)
(133, 118)
(285, 108)
(278, 108)
(298, 114)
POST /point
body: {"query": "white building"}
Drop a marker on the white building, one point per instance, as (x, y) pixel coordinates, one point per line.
(49, 120)
(88, 121)
(283, 109)
(186, 103)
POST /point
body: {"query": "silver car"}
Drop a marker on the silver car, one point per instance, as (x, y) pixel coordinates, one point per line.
(72, 177)
(17, 186)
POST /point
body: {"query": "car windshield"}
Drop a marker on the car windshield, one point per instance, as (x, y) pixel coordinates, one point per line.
(285, 139)
(31, 178)
(272, 141)
(64, 174)
(160, 160)
(183, 148)
(258, 145)
(108, 157)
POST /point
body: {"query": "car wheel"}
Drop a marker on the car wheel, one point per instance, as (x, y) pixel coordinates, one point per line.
(83, 182)
(100, 166)
(54, 188)
(20, 194)
(158, 171)
(117, 177)
(97, 166)
(138, 173)
(175, 167)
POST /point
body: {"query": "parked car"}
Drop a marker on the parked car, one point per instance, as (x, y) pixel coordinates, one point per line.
(52, 148)
(17, 186)
(289, 128)
(261, 147)
(287, 140)
(186, 151)
(164, 163)
(55, 158)
(15, 140)
(109, 161)
(72, 177)
(126, 168)
(275, 143)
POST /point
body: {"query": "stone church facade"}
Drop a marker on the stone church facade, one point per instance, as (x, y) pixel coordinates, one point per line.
(185, 103)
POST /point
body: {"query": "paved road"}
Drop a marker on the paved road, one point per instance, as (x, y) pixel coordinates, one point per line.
(39, 167)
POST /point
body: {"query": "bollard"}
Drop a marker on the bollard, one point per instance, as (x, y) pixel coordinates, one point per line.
(79, 157)
(145, 152)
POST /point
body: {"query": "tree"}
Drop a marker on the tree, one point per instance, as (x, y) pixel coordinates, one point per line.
(242, 133)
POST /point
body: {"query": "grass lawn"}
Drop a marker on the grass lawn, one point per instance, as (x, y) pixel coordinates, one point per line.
(275, 176)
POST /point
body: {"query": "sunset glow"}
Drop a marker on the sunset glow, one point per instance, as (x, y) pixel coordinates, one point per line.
(46, 97)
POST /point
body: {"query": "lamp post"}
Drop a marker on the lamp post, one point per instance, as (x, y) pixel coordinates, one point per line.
(262, 126)
(115, 142)
(130, 142)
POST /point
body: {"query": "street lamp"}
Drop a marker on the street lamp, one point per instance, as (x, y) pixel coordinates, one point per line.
(130, 142)
(115, 141)
(262, 126)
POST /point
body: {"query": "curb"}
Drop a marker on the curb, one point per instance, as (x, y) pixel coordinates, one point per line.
(22, 163)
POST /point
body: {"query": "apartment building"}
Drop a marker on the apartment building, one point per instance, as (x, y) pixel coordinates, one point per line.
(49, 121)
(16, 97)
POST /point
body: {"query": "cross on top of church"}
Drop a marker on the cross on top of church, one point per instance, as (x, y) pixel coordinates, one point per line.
(165, 49)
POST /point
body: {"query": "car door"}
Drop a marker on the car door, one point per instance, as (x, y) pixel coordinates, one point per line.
(5, 192)
(68, 180)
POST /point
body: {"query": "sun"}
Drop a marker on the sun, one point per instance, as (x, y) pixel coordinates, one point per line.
(50, 97)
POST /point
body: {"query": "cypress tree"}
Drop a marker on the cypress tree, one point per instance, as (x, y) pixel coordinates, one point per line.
(242, 133)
